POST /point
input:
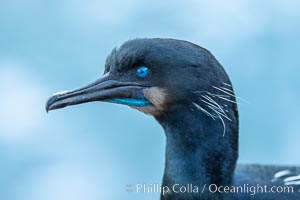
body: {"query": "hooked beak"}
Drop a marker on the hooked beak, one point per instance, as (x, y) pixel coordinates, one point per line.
(104, 89)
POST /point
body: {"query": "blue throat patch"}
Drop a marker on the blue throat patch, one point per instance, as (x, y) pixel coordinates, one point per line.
(130, 102)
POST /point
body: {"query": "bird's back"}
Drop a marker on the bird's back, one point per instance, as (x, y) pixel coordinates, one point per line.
(267, 182)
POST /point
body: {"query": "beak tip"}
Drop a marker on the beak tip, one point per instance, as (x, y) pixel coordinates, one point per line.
(49, 103)
(47, 108)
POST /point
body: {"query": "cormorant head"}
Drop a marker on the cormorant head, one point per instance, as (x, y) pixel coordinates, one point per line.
(155, 76)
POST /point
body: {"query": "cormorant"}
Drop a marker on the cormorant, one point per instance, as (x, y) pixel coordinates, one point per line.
(189, 93)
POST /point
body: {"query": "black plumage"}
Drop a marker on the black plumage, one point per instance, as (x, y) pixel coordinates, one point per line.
(190, 95)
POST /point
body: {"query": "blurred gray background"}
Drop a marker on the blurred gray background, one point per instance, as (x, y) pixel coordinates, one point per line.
(92, 151)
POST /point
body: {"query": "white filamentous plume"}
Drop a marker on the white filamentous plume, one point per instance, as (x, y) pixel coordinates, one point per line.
(281, 173)
(292, 183)
(203, 110)
(288, 180)
(292, 178)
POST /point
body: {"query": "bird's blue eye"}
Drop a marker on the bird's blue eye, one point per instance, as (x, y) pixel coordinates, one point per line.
(142, 71)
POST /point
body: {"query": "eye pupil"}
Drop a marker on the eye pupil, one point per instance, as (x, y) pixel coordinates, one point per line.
(142, 71)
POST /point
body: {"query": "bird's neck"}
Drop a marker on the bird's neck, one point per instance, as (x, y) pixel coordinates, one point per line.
(197, 153)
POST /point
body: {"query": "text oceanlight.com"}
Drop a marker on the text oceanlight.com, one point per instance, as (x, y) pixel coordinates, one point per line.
(212, 188)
